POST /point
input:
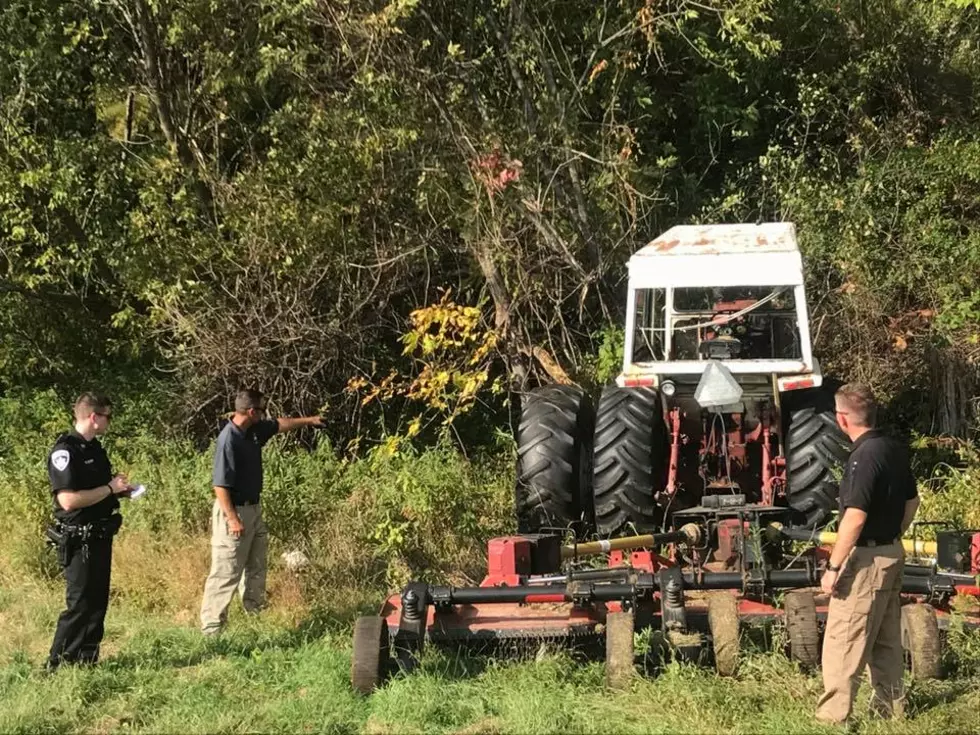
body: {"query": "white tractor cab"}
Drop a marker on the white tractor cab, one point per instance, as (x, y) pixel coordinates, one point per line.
(720, 395)
(728, 293)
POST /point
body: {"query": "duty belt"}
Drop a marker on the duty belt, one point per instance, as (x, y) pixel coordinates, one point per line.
(67, 536)
(101, 529)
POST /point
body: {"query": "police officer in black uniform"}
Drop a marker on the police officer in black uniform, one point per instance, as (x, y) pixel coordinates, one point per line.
(86, 496)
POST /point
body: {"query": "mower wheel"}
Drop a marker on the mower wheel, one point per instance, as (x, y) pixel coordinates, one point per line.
(723, 624)
(802, 629)
(369, 664)
(619, 649)
(816, 453)
(629, 460)
(920, 639)
(554, 452)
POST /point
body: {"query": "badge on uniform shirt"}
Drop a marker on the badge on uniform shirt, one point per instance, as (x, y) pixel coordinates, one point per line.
(60, 459)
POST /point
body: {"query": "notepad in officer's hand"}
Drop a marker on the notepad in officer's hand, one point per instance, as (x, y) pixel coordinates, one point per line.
(137, 491)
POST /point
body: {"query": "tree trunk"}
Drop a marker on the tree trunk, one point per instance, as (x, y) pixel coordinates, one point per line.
(954, 381)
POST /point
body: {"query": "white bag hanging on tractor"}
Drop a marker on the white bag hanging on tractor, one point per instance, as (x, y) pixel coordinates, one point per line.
(717, 387)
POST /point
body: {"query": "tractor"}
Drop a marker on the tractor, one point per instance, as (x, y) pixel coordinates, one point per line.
(720, 394)
(703, 479)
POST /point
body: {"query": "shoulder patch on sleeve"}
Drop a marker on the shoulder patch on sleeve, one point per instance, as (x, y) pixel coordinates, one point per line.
(60, 459)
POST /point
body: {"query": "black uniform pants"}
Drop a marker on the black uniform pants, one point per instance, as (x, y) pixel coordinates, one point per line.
(82, 624)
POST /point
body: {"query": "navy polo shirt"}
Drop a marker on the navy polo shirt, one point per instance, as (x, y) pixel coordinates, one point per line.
(238, 459)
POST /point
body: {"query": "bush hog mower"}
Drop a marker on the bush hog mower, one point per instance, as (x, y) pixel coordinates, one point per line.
(717, 451)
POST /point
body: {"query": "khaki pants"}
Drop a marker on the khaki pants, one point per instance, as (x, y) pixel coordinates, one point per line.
(236, 563)
(864, 629)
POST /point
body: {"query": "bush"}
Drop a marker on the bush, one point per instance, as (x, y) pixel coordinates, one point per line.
(396, 513)
(29, 424)
(952, 490)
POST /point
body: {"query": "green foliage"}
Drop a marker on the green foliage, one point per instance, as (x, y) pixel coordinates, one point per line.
(950, 492)
(393, 506)
(30, 423)
(427, 515)
(299, 166)
(608, 360)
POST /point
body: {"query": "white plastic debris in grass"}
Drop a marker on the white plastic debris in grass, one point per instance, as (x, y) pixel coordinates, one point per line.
(295, 560)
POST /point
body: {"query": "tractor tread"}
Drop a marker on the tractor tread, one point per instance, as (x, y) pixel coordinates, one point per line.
(553, 442)
(816, 453)
(629, 461)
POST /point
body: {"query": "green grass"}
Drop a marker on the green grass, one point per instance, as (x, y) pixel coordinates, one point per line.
(367, 525)
(275, 674)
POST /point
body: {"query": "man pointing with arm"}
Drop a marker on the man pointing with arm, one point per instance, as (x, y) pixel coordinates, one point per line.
(878, 501)
(239, 537)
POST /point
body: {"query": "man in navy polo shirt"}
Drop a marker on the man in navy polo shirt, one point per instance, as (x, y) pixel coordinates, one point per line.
(239, 537)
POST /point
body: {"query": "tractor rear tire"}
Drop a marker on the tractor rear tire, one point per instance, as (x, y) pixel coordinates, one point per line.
(372, 653)
(802, 629)
(816, 453)
(921, 641)
(554, 448)
(629, 460)
(723, 624)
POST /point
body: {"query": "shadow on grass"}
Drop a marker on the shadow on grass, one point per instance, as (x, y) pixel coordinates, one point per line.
(452, 661)
(926, 695)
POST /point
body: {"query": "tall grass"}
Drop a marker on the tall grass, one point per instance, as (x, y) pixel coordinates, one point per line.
(267, 677)
(368, 524)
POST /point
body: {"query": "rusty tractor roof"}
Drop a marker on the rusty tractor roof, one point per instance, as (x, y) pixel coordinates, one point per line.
(770, 237)
(719, 255)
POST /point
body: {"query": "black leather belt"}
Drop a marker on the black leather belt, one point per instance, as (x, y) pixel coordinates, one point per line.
(248, 502)
(870, 542)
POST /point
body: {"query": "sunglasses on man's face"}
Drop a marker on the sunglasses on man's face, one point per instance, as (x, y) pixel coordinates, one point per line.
(106, 416)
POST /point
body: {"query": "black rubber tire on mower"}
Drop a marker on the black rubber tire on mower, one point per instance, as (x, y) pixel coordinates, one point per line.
(629, 461)
(554, 451)
(620, 666)
(372, 653)
(802, 628)
(921, 641)
(724, 627)
(816, 453)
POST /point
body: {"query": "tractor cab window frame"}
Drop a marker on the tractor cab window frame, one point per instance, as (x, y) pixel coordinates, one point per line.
(651, 340)
(767, 327)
